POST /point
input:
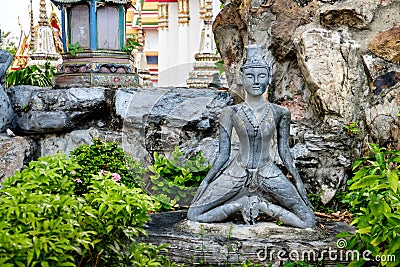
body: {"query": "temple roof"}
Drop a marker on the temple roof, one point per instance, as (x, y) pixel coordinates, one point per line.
(77, 1)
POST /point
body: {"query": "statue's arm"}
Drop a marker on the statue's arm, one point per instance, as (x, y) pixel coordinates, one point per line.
(284, 153)
(225, 130)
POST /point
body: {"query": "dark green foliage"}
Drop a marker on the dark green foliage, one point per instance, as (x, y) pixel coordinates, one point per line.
(31, 75)
(352, 128)
(375, 203)
(336, 204)
(43, 223)
(103, 157)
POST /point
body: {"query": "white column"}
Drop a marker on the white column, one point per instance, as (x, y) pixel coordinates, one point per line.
(184, 56)
(163, 44)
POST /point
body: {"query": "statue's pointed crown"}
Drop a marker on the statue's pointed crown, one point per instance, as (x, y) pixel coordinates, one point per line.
(254, 57)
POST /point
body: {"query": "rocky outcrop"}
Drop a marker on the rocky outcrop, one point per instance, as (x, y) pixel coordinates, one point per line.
(6, 111)
(386, 44)
(14, 153)
(50, 144)
(159, 120)
(333, 72)
(335, 63)
(353, 13)
(46, 110)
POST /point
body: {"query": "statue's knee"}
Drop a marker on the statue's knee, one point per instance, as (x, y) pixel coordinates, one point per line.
(192, 214)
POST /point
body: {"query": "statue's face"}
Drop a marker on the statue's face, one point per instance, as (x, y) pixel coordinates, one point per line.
(255, 80)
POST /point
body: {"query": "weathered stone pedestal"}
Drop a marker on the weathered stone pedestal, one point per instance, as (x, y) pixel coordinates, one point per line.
(96, 68)
(229, 243)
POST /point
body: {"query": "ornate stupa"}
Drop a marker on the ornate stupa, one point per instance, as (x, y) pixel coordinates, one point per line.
(28, 42)
(94, 33)
(205, 71)
(43, 47)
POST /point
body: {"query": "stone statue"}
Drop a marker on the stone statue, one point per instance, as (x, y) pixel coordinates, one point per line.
(251, 182)
(5, 61)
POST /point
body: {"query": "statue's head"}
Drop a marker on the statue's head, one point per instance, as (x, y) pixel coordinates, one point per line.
(255, 74)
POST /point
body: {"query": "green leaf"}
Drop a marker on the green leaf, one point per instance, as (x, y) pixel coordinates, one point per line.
(393, 180)
(109, 228)
(365, 182)
(380, 158)
(364, 230)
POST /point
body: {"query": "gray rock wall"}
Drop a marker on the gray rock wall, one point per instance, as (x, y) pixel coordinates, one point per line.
(141, 120)
(335, 62)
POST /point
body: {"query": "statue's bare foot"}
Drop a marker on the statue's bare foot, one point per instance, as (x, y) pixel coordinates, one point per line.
(254, 210)
(246, 211)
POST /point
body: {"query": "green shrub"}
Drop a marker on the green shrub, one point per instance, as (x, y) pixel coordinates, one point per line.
(43, 223)
(375, 203)
(104, 157)
(31, 75)
(177, 178)
(39, 217)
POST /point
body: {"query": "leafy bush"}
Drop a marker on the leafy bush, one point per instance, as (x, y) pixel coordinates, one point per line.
(31, 75)
(190, 174)
(375, 205)
(43, 223)
(175, 179)
(104, 157)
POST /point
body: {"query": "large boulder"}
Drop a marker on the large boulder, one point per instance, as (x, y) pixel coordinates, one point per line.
(6, 111)
(386, 44)
(160, 119)
(50, 144)
(14, 153)
(42, 110)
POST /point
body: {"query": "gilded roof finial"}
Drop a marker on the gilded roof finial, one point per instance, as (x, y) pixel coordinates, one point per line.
(32, 43)
(43, 20)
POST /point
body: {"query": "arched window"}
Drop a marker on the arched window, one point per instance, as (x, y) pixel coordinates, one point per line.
(80, 25)
(108, 28)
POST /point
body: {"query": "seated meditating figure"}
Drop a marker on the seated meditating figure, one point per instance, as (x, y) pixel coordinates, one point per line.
(251, 182)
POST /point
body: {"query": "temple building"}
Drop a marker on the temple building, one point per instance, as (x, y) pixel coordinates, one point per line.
(172, 31)
(93, 31)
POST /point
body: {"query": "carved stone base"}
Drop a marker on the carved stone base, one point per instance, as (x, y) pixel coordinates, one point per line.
(97, 68)
(96, 79)
(263, 243)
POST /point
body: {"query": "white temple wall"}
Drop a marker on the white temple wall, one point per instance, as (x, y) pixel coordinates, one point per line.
(151, 40)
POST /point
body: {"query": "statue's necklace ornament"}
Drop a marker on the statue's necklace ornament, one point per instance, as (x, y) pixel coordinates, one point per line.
(252, 118)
